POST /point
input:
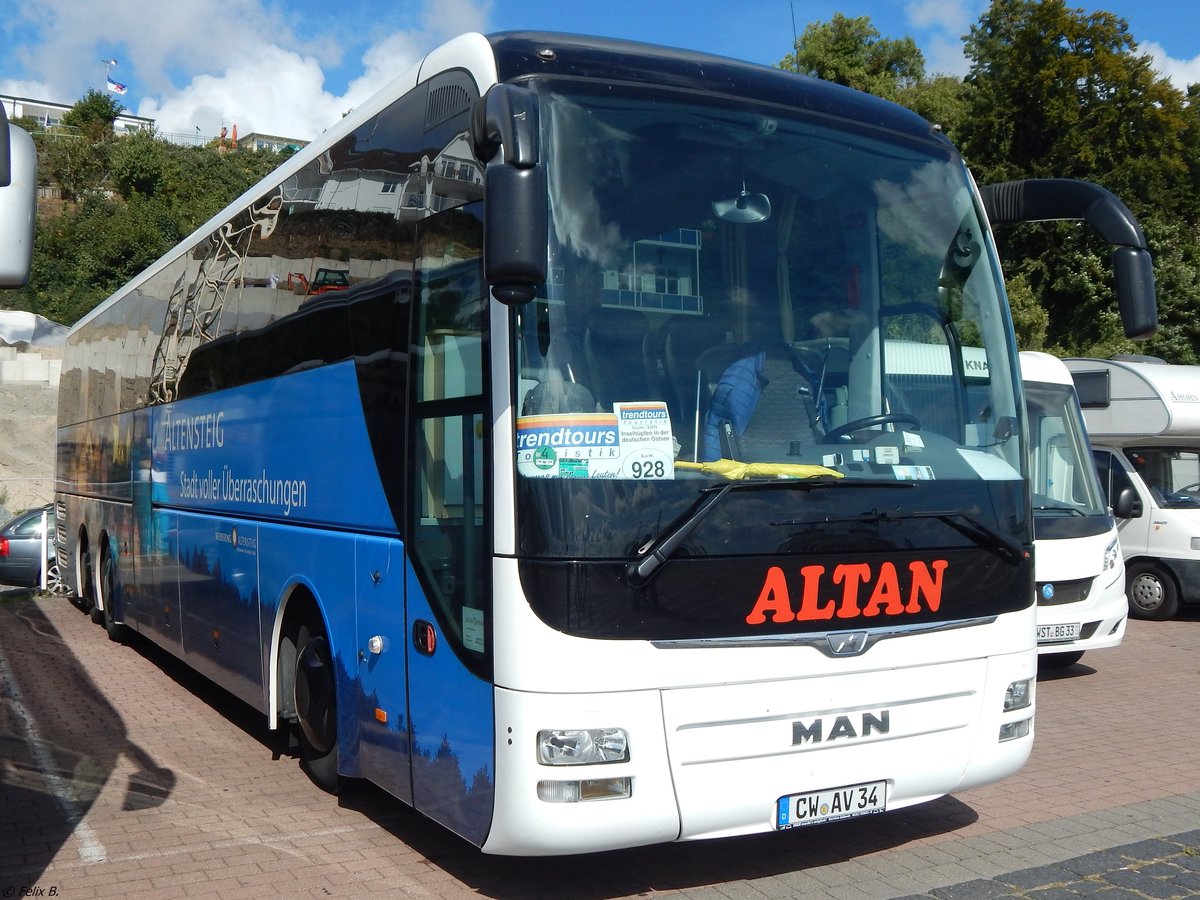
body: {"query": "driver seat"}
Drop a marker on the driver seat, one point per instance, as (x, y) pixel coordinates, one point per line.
(770, 421)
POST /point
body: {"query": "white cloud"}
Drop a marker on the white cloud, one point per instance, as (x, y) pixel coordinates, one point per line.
(950, 16)
(211, 62)
(944, 56)
(274, 91)
(1180, 72)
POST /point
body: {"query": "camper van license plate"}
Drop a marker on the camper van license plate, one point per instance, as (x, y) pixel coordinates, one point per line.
(1067, 632)
(830, 804)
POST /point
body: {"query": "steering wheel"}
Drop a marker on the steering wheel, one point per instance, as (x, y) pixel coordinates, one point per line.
(870, 422)
(1190, 489)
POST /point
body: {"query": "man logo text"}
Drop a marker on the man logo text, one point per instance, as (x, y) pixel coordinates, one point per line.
(843, 727)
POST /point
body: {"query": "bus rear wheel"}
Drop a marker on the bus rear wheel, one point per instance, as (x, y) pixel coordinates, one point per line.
(105, 594)
(315, 700)
(1152, 593)
(86, 600)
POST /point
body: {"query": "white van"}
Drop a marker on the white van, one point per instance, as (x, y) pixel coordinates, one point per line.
(1143, 416)
(1077, 554)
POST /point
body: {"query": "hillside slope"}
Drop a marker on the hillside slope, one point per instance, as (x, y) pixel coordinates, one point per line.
(27, 420)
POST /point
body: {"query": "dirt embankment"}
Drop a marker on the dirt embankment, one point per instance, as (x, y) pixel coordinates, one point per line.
(27, 419)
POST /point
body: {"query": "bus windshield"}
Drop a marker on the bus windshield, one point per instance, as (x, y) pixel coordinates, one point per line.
(758, 293)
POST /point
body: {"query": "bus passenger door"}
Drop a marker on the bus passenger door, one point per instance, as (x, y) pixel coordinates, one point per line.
(448, 595)
(382, 666)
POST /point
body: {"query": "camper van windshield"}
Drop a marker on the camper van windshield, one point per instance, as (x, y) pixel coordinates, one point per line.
(755, 294)
(1064, 475)
(1172, 474)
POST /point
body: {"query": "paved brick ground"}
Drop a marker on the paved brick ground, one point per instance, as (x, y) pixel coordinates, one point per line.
(123, 774)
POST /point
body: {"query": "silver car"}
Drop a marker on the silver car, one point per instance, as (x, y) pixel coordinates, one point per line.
(21, 559)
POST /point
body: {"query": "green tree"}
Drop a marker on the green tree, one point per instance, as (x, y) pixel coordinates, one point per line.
(149, 196)
(1057, 92)
(84, 254)
(94, 111)
(852, 53)
(941, 100)
(76, 155)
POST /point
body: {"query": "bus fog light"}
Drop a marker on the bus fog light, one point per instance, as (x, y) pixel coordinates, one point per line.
(590, 789)
(1010, 731)
(1019, 695)
(582, 746)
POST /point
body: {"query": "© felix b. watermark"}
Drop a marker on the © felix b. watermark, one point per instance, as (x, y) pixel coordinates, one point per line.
(29, 890)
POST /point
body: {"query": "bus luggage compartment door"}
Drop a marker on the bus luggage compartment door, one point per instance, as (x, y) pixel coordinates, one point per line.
(382, 666)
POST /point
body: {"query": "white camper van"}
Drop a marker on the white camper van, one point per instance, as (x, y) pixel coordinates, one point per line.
(1077, 561)
(1143, 416)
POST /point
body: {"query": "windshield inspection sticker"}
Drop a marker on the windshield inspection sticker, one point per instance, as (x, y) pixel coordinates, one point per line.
(634, 441)
(913, 473)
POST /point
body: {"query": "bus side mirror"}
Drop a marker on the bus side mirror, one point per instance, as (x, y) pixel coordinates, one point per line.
(1056, 199)
(1127, 505)
(506, 138)
(1134, 271)
(18, 205)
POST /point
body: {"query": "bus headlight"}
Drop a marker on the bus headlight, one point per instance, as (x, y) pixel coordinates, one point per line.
(1112, 555)
(1018, 695)
(582, 746)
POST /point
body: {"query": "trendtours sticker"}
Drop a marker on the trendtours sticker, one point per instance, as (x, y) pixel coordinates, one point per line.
(634, 441)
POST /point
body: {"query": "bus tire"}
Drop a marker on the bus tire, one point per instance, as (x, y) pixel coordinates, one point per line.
(315, 698)
(86, 601)
(105, 591)
(1152, 593)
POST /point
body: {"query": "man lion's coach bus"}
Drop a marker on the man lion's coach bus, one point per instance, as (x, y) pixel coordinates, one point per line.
(586, 513)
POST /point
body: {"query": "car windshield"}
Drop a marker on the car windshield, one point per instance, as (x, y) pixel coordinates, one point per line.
(1171, 473)
(758, 295)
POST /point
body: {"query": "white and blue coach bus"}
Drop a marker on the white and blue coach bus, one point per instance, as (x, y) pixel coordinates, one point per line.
(581, 510)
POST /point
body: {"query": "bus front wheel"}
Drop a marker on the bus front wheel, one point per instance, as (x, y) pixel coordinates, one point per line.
(1152, 593)
(316, 708)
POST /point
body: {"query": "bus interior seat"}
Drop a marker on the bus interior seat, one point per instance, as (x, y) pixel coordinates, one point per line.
(683, 340)
(767, 423)
(554, 395)
(785, 417)
(614, 350)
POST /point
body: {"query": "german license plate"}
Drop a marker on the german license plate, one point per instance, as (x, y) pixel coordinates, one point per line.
(830, 804)
(1067, 632)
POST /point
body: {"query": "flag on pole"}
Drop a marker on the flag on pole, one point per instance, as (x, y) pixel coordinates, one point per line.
(116, 87)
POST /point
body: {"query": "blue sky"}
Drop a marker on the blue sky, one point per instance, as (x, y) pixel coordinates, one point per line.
(293, 67)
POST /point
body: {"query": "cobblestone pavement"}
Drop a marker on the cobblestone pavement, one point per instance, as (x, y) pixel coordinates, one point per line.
(122, 773)
(1159, 867)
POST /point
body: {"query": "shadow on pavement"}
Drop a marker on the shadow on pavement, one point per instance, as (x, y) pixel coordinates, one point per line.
(60, 741)
(662, 867)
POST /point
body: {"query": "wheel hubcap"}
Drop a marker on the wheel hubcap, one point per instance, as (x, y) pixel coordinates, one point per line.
(1147, 592)
(315, 705)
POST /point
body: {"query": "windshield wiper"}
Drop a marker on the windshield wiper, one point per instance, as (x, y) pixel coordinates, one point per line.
(1064, 510)
(652, 554)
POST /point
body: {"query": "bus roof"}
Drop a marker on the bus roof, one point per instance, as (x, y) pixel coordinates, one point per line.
(522, 54)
